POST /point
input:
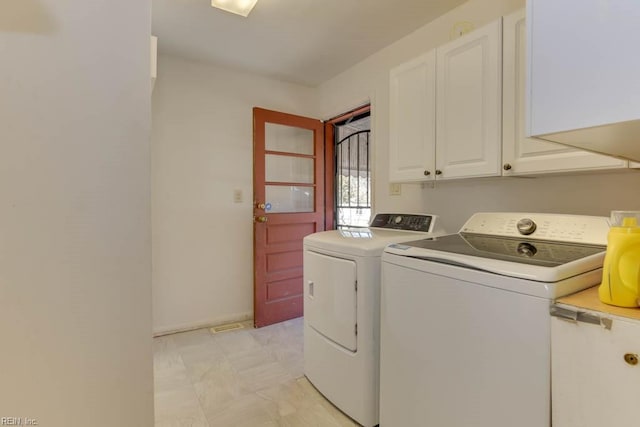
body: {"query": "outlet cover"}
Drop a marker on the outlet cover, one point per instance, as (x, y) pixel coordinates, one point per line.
(237, 196)
(395, 189)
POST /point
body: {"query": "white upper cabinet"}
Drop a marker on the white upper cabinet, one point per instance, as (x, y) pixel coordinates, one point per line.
(584, 67)
(445, 110)
(584, 63)
(412, 120)
(522, 155)
(469, 104)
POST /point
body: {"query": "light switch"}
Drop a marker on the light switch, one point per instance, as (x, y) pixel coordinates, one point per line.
(395, 189)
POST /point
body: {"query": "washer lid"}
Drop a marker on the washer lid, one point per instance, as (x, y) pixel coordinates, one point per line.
(528, 259)
(522, 251)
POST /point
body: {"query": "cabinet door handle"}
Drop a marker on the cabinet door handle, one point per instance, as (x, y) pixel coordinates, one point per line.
(438, 172)
(506, 166)
(311, 285)
(427, 173)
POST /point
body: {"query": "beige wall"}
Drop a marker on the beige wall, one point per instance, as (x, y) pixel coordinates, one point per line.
(75, 265)
(202, 152)
(455, 201)
(581, 194)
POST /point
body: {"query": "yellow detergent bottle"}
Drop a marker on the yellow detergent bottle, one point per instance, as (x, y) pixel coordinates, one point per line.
(621, 270)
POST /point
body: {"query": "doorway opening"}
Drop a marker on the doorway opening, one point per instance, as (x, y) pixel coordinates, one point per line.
(348, 148)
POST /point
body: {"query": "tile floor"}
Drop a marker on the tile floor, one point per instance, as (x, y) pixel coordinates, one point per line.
(242, 378)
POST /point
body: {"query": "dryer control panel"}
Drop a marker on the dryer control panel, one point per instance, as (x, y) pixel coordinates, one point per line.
(410, 222)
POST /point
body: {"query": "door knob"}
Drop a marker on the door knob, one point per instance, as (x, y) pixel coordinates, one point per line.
(260, 218)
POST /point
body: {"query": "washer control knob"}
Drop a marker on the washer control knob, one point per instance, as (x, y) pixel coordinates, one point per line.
(526, 226)
(397, 219)
(526, 250)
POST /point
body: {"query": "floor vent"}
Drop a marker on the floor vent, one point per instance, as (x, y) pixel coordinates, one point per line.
(226, 328)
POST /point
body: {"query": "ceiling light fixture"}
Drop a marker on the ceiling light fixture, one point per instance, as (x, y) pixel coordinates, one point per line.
(239, 7)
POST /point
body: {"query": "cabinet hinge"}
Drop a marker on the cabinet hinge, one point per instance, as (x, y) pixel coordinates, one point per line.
(579, 316)
(356, 329)
(356, 283)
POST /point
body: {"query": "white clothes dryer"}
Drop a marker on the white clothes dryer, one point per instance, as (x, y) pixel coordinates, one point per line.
(342, 308)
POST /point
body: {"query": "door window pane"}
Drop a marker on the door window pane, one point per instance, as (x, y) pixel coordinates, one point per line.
(289, 198)
(288, 169)
(288, 139)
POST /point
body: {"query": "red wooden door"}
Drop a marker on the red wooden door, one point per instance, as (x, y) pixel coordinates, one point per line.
(288, 188)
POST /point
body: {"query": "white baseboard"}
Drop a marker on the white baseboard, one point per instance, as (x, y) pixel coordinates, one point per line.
(237, 317)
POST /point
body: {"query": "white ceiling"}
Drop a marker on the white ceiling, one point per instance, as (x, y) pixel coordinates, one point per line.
(300, 41)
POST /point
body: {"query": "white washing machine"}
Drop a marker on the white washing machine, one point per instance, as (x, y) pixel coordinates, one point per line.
(342, 309)
(465, 323)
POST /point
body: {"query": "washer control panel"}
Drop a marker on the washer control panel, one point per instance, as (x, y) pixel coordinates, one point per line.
(408, 222)
(541, 226)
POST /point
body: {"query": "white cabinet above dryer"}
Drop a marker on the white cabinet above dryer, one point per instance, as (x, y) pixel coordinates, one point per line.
(445, 110)
(412, 143)
(522, 155)
(469, 105)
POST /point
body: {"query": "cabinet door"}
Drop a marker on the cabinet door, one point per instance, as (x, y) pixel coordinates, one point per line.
(592, 384)
(522, 155)
(584, 63)
(469, 104)
(412, 120)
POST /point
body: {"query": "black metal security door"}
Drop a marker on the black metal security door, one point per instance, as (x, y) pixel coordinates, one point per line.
(353, 172)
